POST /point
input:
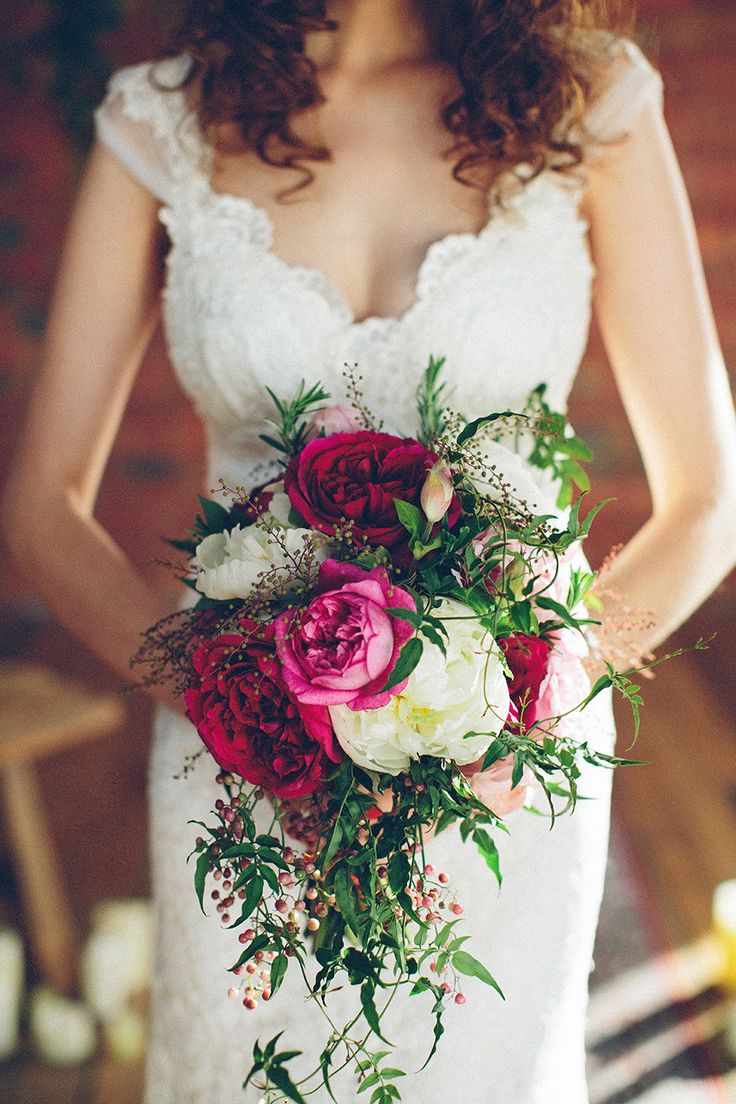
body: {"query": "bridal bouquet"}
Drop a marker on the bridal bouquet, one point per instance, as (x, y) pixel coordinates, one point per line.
(386, 640)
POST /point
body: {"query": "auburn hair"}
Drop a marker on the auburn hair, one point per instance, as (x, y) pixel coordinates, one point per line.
(526, 70)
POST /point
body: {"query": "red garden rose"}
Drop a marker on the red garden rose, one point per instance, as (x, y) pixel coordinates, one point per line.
(355, 477)
(250, 722)
(528, 660)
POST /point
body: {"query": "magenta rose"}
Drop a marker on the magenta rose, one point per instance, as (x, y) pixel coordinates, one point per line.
(343, 646)
(250, 722)
(528, 660)
(355, 477)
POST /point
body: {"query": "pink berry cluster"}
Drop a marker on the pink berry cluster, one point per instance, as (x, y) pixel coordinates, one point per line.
(431, 899)
(257, 980)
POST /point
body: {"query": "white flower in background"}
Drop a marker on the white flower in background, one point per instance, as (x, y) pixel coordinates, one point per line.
(444, 698)
(12, 984)
(533, 486)
(63, 1030)
(117, 960)
(231, 563)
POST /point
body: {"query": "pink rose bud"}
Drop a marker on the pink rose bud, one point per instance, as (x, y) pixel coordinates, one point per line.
(437, 492)
(335, 418)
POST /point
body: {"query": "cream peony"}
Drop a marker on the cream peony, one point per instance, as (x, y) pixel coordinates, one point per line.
(232, 563)
(445, 697)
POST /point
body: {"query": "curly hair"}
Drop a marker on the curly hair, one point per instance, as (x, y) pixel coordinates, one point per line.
(526, 71)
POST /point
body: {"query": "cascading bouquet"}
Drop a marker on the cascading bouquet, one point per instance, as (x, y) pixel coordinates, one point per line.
(386, 642)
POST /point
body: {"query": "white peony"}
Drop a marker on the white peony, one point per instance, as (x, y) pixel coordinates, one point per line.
(444, 698)
(232, 563)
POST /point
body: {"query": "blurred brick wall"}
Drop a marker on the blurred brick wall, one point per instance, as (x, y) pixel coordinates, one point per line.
(56, 73)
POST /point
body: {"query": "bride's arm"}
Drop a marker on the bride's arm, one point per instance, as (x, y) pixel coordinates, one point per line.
(653, 310)
(104, 307)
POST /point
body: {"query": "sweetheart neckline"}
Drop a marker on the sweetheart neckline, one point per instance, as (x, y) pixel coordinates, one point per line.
(434, 255)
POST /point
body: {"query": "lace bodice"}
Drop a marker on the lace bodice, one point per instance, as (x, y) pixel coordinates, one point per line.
(509, 306)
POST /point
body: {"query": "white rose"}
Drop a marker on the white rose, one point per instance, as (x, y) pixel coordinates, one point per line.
(444, 698)
(231, 563)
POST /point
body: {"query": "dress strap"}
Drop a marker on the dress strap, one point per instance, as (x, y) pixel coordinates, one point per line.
(145, 120)
(630, 83)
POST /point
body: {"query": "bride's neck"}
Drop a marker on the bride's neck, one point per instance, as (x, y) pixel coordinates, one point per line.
(372, 35)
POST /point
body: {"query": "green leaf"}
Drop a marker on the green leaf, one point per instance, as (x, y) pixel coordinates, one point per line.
(284, 1084)
(464, 963)
(268, 855)
(469, 431)
(371, 1080)
(487, 847)
(278, 971)
(499, 749)
(599, 685)
(410, 516)
(591, 516)
(200, 876)
(189, 546)
(335, 841)
(556, 607)
(439, 1027)
(258, 944)
(369, 1009)
(421, 985)
(240, 851)
(271, 877)
(399, 871)
(215, 515)
(521, 616)
(411, 616)
(343, 888)
(251, 901)
(409, 657)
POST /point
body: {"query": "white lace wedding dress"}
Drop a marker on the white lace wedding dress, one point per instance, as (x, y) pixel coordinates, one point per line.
(509, 308)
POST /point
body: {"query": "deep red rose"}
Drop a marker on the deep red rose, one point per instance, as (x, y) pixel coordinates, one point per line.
(355, 477)
(249, 721)
(528, 659)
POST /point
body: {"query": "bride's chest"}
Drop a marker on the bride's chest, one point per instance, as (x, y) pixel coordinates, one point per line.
(508, 306)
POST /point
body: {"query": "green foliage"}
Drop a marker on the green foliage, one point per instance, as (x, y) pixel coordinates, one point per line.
(290, 426)
(557, 449)
(432, 401)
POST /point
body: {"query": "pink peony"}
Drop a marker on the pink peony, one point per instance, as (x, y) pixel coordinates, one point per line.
(341, 649)
(493, 786)
(566, 682)
(335, 418)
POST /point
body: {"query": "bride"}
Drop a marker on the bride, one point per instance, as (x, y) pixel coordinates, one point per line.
(372, 181)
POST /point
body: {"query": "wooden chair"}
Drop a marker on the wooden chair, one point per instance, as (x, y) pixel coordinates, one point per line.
(42, 714)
